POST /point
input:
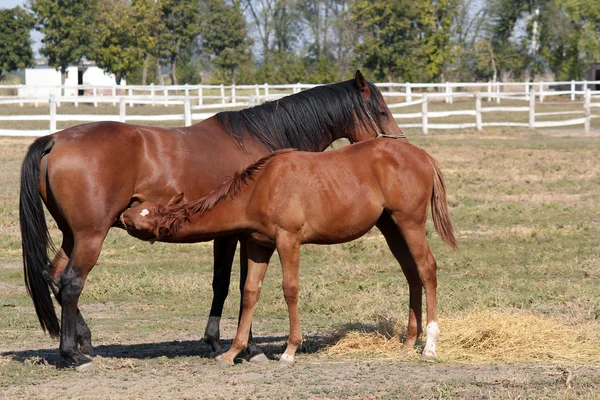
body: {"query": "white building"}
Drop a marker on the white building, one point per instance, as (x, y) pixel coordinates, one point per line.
(42, 81)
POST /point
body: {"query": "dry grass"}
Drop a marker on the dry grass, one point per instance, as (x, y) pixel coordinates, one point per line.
(485, 337)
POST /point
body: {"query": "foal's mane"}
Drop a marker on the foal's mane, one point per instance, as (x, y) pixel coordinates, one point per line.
(170, 218)
(306, 120)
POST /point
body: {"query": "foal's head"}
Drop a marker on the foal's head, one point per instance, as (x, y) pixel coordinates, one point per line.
(145, 221)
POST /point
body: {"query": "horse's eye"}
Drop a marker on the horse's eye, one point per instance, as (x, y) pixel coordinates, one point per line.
(383, 113)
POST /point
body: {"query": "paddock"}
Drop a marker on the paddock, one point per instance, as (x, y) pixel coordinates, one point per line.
(518, 303)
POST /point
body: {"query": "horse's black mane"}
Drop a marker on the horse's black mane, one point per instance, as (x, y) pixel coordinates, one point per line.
(306, 120)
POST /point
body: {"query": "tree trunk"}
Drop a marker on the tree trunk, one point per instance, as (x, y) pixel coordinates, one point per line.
(145, 71)
(161, 79)
(63, 79)
(173, 71)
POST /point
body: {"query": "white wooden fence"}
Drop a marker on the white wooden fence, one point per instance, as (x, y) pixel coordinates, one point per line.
(207, 98)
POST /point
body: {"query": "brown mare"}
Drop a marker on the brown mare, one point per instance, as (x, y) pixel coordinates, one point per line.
(89, 174)
(290, 198)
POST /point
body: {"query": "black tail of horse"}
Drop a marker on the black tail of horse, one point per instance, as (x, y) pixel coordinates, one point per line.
(35, 238)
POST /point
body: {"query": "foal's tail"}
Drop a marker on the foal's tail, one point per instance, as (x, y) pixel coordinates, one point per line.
(35, 238)
(439, 206)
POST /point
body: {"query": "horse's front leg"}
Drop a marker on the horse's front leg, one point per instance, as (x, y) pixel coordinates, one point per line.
(258, 261)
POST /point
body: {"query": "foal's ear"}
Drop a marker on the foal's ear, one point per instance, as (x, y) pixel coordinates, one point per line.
(361, 83)
(178, 198)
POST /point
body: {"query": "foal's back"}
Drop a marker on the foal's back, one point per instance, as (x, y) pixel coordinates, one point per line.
(339, 195)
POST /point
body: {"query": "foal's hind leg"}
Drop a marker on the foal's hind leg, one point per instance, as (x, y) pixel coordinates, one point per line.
(400, 250)
(413, 231)
(59, 263)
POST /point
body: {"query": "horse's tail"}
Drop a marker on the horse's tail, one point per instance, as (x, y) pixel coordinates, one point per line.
(439, 206)
(35, 237)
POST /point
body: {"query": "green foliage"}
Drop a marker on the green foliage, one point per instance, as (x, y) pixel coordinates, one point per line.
(404, 39)
(179, 25)
(122, 39)
(224, 38)
(15, 44)
(67, 29)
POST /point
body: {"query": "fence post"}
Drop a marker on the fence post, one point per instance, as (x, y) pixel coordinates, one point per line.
(585, 87)
(186, 91)
(200, 101)
(497, 92)
(266, 92)
(541, 91)
(572, 90)
(130, 94)
(257, 92)
(95, 94)
(478, 120)
(408, 92)
(52, 103)
(449, 92)
(114, 94)
(222, 94)
(424, 113)
(527, 90)
(122, 109)
(187, 109)
(152, 93)
(532, 109)
(233, 94)
(587, 107)
(489, 97)
(166, 94)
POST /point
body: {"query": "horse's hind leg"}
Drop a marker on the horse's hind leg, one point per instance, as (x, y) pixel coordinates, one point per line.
(59, 263)
(83, 257)
(223, 253)
(412, 228)
(400, 250)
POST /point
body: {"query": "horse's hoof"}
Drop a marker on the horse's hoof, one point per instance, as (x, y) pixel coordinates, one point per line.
(224, 363)
(429, 355)
(87, 367)
(286, 361)
(87, 349)
(259, 358)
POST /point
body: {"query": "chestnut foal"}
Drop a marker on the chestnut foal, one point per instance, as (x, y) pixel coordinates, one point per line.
(289, 198)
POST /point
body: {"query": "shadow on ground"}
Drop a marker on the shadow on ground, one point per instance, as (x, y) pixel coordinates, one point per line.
(270, 345)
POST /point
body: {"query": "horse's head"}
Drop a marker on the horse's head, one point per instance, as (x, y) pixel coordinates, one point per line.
(379, 119)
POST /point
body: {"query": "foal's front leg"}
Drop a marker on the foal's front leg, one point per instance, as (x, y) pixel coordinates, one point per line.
(258, 261)
(288, 247)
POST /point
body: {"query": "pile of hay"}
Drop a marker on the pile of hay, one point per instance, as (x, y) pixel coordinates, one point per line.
(487, 337)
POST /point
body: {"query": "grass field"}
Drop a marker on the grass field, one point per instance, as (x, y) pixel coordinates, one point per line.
(518, 303)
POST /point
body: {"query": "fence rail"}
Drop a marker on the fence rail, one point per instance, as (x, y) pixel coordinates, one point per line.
(232, 97)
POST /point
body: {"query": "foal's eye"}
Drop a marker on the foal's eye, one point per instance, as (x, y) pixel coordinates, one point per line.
(383, 113)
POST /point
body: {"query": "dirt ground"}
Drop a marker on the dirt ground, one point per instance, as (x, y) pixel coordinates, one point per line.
(184, 370)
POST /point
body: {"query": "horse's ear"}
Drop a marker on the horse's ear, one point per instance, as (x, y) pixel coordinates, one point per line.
(361, 83)
(178, 198)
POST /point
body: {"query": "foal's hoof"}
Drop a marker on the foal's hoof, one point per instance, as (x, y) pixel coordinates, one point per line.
(224, 363)
(286, 361)
(428, 355)
(259, 358)
(87, 367)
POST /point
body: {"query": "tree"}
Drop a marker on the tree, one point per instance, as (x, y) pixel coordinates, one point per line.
(15, 43)
(402, 39)
(180, 25)
(122, 39)
(224, 37)
(67, 29)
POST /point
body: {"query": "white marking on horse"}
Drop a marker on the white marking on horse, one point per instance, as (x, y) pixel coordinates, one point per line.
(144, 212)
(433, 334)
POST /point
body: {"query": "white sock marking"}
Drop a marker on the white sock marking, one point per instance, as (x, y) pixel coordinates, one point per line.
(433, 334)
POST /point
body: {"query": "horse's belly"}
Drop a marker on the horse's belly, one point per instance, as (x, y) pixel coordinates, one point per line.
(353, 224)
